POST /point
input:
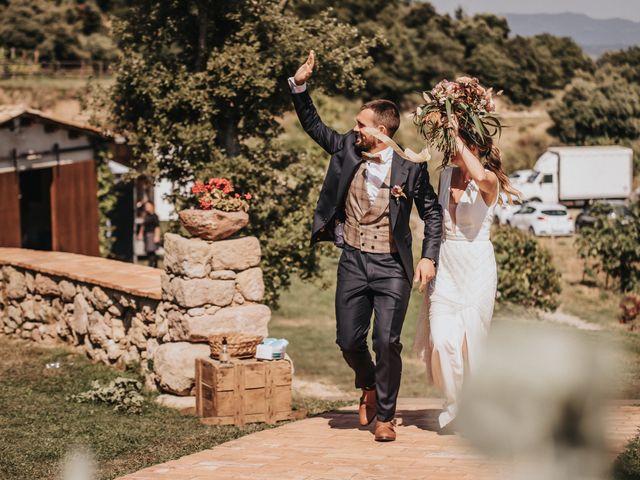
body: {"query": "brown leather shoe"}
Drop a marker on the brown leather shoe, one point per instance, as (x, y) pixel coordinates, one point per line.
(385, 431)
(367, 410)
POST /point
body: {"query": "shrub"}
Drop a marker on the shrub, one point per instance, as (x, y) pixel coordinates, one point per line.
(627, 465)
(123, 393)
(613, 243)
(526, 275)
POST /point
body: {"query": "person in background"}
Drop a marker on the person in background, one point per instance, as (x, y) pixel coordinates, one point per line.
(149, 231)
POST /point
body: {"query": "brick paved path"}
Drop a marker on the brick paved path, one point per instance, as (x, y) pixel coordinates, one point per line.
(332, 447)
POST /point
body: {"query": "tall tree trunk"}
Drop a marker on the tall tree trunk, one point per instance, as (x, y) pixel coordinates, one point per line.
(203, 23)
(230, 141)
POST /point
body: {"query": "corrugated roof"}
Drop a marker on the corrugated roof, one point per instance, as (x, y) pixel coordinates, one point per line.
(11, 112)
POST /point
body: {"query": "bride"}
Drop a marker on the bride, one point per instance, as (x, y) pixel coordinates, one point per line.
(457, 309)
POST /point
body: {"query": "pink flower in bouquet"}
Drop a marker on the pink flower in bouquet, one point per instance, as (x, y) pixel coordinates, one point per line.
(464, 102)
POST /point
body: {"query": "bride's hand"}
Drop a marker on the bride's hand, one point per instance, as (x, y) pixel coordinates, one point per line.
(425, 272)
(454, 125)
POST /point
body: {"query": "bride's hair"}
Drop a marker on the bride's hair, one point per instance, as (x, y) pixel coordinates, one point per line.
(493, 162)
(491, 158)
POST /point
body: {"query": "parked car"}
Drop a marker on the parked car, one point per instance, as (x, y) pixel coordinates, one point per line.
(505, 210)
(543, 219)
(520, 176)
(586, 217)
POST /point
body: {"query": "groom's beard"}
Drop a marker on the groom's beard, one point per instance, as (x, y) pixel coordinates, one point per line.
(364, 144)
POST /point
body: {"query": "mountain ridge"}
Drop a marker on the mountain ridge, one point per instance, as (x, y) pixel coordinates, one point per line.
(594, 35)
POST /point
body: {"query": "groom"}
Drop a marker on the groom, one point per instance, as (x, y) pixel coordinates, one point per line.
(364, 207)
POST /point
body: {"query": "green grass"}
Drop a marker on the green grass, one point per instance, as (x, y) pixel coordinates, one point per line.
(595, 304)
(39, 426)
(307, 319)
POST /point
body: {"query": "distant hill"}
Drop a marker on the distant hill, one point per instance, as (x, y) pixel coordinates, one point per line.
(593, 35)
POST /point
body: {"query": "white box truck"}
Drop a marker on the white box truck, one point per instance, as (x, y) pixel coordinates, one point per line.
(576, 175)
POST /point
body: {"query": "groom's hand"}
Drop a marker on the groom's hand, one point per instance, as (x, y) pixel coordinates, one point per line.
(306, 69)
(425, 272)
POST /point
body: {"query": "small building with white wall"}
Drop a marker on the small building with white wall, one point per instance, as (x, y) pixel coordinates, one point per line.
(48, 182)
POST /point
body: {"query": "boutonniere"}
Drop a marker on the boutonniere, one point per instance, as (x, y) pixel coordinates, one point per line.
(398, 192)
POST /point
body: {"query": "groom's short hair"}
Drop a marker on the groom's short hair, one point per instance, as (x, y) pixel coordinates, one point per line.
(387, 114)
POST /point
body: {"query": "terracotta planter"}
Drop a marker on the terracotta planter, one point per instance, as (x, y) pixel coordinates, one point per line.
(212, 224)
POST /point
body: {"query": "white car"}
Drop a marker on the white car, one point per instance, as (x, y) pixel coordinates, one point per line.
(505, 210)
(543, 219)
(520, 176)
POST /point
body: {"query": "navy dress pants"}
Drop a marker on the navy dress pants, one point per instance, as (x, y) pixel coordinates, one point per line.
(372, 283)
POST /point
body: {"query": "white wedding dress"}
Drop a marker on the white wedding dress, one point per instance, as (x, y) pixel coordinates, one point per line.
(457, 308)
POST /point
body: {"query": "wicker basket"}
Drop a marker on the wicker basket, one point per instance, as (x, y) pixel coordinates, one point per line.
(239, 345)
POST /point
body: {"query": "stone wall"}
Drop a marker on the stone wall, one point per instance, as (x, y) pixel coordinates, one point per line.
(207, 288)
(108, 310)
(111, 326)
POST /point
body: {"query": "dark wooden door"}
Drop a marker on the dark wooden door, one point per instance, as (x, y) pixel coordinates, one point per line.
(10, 235)
(74, 208)
(35, 208)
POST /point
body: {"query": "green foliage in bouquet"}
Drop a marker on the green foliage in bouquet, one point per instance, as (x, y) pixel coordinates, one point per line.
(123, 393)
(526, 275)
(612, 244)
(464, 102)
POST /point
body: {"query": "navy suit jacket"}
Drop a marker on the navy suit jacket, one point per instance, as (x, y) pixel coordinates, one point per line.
(345, 160)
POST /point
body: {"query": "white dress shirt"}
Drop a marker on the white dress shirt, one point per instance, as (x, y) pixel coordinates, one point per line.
(376, 171)
(295, 88)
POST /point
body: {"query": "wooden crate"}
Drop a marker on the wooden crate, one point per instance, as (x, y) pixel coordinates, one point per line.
(243, 391)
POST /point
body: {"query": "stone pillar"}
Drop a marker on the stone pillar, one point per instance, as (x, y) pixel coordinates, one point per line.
(207, 288)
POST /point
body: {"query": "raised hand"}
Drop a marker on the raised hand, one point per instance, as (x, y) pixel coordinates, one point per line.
(306, 69)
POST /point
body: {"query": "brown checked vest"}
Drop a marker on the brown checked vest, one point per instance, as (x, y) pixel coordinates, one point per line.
(367, 225)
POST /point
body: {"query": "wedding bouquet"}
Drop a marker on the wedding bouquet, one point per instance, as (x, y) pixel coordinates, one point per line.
(219, 193)
(463, 102)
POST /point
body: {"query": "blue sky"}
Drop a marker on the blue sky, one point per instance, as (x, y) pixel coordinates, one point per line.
(627, 9)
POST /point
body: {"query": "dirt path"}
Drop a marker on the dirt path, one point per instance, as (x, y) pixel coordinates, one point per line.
(567, 319)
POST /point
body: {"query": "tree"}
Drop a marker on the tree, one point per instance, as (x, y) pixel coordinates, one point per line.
(393, 72)
(613, 244)
(481, 30)
(603, 109)
(58, 30)
(626, 61)
(199, 90)
(492, 66)
(567, 53)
